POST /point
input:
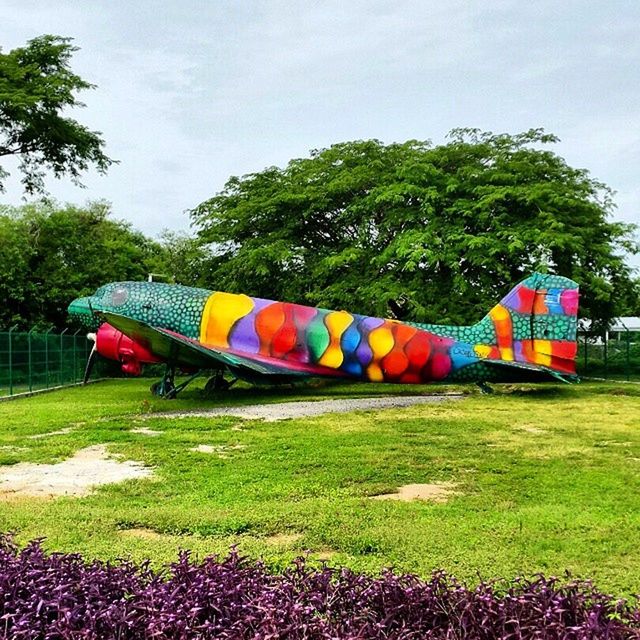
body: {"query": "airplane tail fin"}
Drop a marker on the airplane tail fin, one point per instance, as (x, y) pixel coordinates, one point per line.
(534, 326)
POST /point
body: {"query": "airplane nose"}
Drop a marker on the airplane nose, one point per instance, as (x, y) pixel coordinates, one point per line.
(79, 307)
(80, 311)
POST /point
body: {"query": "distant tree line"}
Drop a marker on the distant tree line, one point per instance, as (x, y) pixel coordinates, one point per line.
(51, 254)
(410, 231)
(423, 232)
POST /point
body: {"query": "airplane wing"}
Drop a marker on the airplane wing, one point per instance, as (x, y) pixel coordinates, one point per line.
(177, 349)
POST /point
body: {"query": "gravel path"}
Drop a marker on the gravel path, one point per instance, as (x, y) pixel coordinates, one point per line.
(304, 409)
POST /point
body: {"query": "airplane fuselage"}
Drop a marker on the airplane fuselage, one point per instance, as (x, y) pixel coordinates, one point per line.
(321, 342)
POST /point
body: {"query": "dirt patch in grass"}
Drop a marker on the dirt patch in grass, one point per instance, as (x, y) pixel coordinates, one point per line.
(145, 431)
(59, 432)
(76, 476)
(281, 539)
(435, 492)
(204, 448)
(530, 428)
(141, 533)
(220, 449)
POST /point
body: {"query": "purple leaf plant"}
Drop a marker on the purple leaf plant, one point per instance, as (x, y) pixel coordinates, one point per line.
(56, 596)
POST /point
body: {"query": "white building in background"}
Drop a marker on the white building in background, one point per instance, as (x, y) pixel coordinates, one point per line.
(622, 326)
(619, 330)
(626, 323)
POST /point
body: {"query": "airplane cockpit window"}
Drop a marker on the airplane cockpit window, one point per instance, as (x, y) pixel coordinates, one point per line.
(119, 296)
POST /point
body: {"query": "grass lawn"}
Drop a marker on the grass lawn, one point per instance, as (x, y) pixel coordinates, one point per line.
(547, 479)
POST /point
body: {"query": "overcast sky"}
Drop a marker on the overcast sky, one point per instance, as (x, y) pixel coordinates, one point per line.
(191, 92)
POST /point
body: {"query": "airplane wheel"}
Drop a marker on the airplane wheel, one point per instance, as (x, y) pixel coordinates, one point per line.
(163, 389)
(217, 383)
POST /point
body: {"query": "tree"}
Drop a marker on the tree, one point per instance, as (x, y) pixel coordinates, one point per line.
(416, 231)
(50, 255)
(184, 259)
(16, 254)
(36, 87)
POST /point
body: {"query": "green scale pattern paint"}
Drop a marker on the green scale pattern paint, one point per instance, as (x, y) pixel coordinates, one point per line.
(481, 333)
(161, 305)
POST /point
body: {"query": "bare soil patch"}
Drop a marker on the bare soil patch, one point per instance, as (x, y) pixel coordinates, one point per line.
(145, 431)
(76, 476)
(282, 539)
(220, 449)
(141, 533)
(435, 492)
(60, 432)
(530, 428)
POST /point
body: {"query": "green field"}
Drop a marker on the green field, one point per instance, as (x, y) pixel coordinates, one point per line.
(547, 479)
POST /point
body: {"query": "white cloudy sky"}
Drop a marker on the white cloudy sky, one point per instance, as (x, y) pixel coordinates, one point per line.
(191, 92)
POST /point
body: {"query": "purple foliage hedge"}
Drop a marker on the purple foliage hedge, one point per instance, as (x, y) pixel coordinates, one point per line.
(60, 596)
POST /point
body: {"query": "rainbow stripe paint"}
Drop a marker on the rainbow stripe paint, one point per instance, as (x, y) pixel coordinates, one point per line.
(337, 343)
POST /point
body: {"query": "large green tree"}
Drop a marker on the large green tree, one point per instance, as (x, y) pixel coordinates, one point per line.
(417, 231)
(51, 254)
(184, 259)
(37, 89)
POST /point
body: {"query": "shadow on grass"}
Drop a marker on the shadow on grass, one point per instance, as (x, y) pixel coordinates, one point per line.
(243, 393)
(538, 392)
(585, 388)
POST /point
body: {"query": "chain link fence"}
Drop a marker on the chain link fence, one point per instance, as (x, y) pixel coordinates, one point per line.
(32, 361)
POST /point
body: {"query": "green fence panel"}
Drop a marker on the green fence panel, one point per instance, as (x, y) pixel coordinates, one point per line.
(32, 361)
(615, 356)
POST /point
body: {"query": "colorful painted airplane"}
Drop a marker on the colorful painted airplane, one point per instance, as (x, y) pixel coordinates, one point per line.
(529, 335)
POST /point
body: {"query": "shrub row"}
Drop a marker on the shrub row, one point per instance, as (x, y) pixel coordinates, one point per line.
(63, 596)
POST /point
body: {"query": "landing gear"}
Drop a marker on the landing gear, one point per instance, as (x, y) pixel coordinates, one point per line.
(218, 383)
(167, 388)
(484, 387)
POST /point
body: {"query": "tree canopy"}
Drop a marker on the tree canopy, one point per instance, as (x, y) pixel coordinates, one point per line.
(37, 87)
(50, 255)
(416, 231)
